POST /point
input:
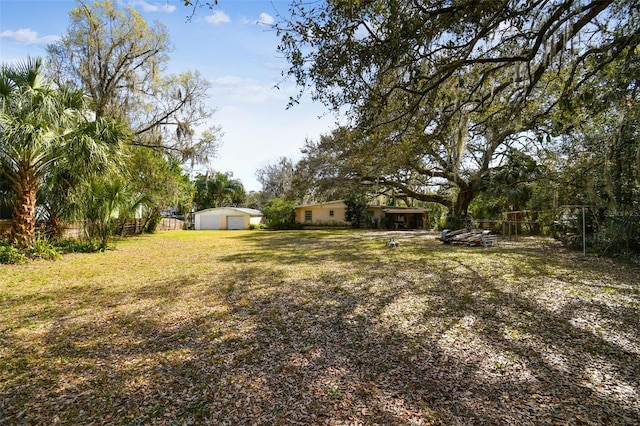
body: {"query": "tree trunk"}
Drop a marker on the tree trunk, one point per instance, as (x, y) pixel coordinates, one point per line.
(55, 226)
(463, 200)
(457, 215)
(23, 231)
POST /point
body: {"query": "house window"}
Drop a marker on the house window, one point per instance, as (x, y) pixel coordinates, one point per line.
(307, 216)
(331, 213)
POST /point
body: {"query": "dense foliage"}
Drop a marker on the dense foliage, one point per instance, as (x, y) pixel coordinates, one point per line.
(356, 209)
(217, 189)
(280, 214)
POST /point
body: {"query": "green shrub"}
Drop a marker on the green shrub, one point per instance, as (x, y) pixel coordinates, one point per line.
(621, 238)
(324, 224)
(356, 211)
(280, 214)
(11, 255)
(151, 225)
(79, 246)
(43, 249)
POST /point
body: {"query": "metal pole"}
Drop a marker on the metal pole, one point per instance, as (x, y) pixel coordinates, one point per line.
(584, 233)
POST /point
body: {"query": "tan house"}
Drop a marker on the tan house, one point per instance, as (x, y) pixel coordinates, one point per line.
(389, 217)
(329, 213)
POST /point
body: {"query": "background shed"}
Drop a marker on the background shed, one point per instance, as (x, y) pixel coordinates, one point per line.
(227, 218)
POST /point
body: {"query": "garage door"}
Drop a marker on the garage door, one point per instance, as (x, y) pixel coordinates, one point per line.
(235, 222)
(210, 221)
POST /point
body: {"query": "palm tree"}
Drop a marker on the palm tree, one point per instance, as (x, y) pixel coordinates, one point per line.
(95, 149)
(42, 130)
(218, 190)
(225, 190)
(236, 192)
(101, 201)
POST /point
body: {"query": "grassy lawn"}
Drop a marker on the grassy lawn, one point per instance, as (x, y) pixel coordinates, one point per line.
(319, 327)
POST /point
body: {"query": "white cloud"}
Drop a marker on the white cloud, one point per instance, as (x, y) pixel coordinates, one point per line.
(218, 17)
(154, 7)
(266, 19)
(263, 19)
(276, 66)
(246, 90)
(27, 36)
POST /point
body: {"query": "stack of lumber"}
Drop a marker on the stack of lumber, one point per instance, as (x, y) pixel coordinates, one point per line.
(473, 237)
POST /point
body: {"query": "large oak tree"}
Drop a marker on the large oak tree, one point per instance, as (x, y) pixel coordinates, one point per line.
(442, 92)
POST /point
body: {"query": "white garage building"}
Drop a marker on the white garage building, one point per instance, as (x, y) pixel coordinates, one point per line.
(226, 218)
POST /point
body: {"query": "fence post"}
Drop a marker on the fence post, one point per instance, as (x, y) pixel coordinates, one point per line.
(584, 233)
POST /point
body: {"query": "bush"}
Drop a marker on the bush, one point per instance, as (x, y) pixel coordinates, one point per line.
(151, 225)
(280, 214)
(327, 224)
(620, 239)
(79, 246)
(43, 249)
(356, 211)
(11, 255)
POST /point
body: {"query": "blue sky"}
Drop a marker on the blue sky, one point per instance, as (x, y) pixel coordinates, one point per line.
(231, 46)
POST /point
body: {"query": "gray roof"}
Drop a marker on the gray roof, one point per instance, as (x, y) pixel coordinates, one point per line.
(250, 212)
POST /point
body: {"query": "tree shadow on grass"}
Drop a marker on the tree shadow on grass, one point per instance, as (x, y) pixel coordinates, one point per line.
(394, 337)
(291, 247)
